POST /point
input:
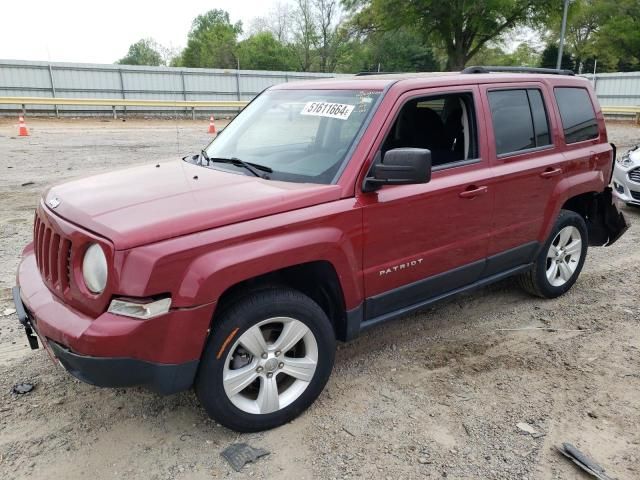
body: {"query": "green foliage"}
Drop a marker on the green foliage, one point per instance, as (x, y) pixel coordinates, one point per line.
(460, 28)
(549, 58)
(143, 52)
(408, 35)
(212, 41)
(262, 51)
(401, 50)
(619, 36)
(524, 55)
(602, 30)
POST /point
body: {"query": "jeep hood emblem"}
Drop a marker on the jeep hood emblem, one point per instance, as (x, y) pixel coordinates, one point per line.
(53, 202)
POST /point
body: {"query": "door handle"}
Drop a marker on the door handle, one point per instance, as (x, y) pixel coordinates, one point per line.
(473, 191)
(551, 172)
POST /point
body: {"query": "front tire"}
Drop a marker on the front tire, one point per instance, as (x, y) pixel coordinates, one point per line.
(560, 260)
(267, 359)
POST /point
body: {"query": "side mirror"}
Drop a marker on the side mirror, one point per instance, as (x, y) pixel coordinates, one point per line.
(401, 166)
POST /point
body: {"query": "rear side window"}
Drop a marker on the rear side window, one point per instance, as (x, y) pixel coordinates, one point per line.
(578, 117)
(519, 120)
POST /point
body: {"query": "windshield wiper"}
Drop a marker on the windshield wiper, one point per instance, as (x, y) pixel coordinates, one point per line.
(252, 167)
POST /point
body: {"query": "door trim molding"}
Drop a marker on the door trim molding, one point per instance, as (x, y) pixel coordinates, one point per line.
(423, 293)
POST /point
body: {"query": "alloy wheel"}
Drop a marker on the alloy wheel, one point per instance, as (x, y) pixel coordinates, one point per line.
(563, 256)
(270, 365)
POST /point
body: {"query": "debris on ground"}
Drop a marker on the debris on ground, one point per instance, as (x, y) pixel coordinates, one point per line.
(239, 454)
(525, 427)
(584, 462)
(22, 388)
(8, 311)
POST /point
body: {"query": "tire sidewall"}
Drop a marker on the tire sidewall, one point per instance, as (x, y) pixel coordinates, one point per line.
(242, 316)
(565, 219)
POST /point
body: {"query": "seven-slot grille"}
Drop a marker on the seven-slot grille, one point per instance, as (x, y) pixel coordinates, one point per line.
(53, 256)
(634, 175)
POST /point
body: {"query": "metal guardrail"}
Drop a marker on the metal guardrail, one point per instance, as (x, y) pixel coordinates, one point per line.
(121, 102)
(623, 110)
(193, 104)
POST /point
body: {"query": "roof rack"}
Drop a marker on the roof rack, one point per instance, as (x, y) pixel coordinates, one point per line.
(364, 74)
(551, 71)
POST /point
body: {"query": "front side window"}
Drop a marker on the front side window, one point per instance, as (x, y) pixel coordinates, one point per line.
(578, 117)
(519, 120)
(444, 124)
(301, 135)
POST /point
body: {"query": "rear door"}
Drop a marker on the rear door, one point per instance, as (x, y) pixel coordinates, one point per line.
(527, 167)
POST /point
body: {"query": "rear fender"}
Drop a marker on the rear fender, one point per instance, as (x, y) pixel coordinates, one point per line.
(569, 187)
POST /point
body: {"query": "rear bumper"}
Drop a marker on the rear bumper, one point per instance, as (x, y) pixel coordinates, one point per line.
(112, 351)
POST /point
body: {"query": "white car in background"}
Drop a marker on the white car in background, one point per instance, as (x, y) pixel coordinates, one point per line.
(626, 177)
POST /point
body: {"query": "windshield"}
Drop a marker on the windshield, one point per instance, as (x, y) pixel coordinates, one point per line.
(302, 135)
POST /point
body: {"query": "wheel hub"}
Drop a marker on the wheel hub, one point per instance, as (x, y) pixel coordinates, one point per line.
(271, 365)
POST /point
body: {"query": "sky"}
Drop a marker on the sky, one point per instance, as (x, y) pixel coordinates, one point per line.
(92, 31)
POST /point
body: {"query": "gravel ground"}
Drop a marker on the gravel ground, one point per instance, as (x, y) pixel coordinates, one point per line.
(436, 394)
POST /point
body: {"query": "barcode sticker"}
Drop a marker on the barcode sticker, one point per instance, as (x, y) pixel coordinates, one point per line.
(340, 111)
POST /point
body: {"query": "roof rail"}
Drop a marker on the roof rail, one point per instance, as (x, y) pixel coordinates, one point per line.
(364, 74)
(483, 69)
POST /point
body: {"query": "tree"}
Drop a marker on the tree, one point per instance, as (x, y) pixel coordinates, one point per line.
(262, 51)
(144, 52)
(602, 30)
(619, 37)
(326, 13)
(212, 41)
(305, 35)
(461, 28)
(549, 58)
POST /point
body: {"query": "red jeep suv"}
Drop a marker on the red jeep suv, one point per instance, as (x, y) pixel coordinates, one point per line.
(323, 209)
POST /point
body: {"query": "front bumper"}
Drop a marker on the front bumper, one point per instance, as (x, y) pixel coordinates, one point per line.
(112, 351)
(126, 372)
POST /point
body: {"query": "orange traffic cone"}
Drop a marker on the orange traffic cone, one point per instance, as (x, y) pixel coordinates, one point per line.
(22, 127)
(212, 126)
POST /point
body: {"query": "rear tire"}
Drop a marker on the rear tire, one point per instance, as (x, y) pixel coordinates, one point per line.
(560, 260)
(267, 359)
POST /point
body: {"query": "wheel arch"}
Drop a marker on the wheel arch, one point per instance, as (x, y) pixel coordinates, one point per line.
(316, 279)
(604, 223)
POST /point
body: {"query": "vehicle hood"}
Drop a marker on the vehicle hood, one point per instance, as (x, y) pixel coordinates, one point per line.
(149, 203)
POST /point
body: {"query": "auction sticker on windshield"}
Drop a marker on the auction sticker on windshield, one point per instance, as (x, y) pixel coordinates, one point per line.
(327, 109)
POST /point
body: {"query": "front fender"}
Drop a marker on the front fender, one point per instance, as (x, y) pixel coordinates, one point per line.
(211, 274)
(198, 268)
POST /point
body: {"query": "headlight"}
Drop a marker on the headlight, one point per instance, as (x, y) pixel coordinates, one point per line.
(626, 160)
(140, 308)
(94, 269)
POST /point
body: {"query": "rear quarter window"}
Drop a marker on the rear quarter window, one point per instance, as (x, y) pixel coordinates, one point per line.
(576, 111)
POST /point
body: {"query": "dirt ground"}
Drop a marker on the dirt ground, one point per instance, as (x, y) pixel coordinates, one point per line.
(436, 394)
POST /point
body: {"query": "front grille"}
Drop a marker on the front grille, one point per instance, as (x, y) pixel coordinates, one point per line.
(635, 195)
(634, 175)
(53, 254)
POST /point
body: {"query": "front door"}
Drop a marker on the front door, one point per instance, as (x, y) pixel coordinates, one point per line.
(421, 241)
